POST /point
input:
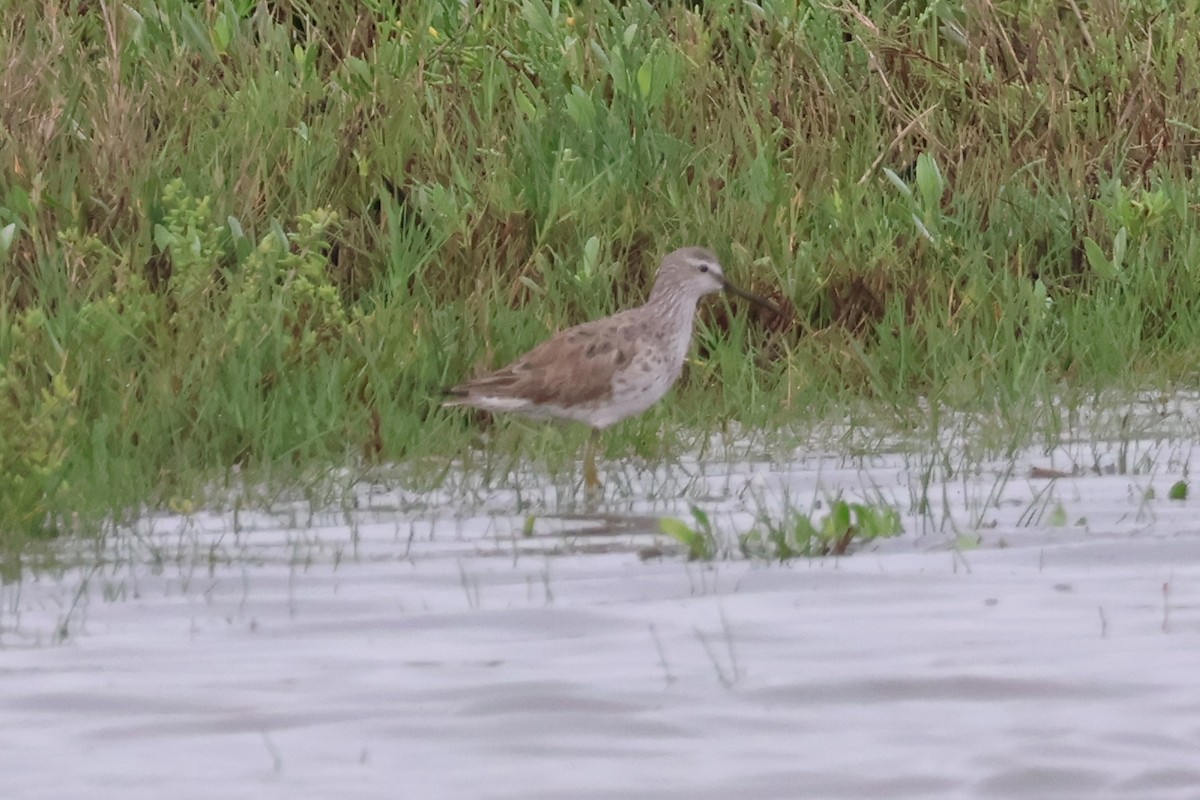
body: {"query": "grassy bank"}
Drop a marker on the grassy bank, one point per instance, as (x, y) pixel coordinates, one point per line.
(259, 236)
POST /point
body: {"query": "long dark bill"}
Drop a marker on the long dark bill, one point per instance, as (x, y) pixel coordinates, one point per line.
(753, 298)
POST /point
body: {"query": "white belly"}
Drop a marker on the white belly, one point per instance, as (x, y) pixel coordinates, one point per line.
(640, 386)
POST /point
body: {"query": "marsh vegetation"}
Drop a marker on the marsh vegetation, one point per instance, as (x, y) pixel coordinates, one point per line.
(249, 241)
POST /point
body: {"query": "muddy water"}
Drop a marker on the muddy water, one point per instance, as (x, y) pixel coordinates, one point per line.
(1027, 637)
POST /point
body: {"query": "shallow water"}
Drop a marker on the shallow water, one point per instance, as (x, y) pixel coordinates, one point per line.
(1025, 638)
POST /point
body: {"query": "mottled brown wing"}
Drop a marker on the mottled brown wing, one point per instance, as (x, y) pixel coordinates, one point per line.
(575, 366)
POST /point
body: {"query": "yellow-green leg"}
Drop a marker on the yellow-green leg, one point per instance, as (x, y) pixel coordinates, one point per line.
(590, 479)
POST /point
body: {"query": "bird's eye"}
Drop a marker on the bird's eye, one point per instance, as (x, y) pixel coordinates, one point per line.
(704, 267)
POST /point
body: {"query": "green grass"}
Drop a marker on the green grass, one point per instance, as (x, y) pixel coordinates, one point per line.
(256, 238)
(791, 535)
(798, 535)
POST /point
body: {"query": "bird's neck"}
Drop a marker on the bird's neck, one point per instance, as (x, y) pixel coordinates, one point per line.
(665, 296)
(673, 314)
(672, 305)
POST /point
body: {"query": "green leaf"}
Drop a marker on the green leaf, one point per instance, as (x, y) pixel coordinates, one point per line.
(1041, 295)
(839, 516)
(580, 107)
(591, 256)
(899, 184)
(163, 238)
(281, 237)
(930, 183)
(222, 33)
(598, 53)
(361, 70)
(629, 35)
(1156, 203)
(616, 68)
(194, 34)
(923, 230)
(676, 529)
(803, 529)
(645, 79)
(537, 16)
(1178, 491)
(531, 285)
(524, 103)
(1119, 242)
(6, 237)
(1097, 260)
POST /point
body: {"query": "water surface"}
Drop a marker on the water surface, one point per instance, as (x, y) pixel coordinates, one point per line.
(1027, 637)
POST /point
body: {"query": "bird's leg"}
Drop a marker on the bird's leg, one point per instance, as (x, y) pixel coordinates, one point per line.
(591, 481)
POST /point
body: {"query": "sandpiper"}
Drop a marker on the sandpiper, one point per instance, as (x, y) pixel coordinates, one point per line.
(606, 370)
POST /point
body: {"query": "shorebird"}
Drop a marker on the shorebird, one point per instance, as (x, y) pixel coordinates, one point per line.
(606, 370)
